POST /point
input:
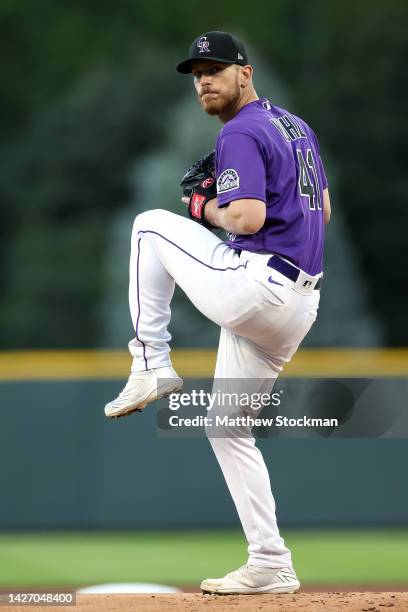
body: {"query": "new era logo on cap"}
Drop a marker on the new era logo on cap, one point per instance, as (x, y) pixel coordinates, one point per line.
(218, 46)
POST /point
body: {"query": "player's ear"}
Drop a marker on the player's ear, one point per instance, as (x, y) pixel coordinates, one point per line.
(245, 75)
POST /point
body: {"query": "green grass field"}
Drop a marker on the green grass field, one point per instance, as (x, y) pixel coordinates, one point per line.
(73, 559)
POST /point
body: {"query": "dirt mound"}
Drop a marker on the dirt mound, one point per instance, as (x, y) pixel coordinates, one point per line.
(194, 602)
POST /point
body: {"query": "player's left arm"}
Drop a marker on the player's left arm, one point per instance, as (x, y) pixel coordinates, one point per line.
(243, 216)
(240, 205)
(247, 216)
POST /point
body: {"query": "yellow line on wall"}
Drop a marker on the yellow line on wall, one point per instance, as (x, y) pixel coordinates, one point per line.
(199, 363)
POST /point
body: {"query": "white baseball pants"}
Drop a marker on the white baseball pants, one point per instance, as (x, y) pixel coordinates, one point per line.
(262, 320)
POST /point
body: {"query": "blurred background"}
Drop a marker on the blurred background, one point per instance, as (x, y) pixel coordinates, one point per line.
(96, 126)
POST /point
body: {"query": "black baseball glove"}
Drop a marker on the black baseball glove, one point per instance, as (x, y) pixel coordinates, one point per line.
(200, 186)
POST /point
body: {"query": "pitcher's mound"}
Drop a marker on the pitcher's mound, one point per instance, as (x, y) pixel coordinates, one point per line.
(187, 602)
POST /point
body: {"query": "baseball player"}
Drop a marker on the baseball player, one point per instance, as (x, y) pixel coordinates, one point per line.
(261, 286)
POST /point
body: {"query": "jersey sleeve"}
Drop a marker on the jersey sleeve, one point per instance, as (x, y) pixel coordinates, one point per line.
(240, 169)
(325, 182)
(322, 173)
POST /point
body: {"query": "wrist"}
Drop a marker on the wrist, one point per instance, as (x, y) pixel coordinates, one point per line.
(197, 208)
(212, 212)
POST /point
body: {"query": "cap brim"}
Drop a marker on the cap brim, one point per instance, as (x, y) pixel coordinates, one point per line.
(185, 66)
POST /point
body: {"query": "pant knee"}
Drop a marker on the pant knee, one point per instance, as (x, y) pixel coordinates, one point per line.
(151, 219)
(229, 438)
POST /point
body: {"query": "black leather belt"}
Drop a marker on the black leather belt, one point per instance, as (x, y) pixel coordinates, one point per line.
(285, 268)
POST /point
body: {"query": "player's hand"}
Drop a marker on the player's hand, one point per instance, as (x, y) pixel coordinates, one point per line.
(197, 173)
(196, 205)
(199, 187)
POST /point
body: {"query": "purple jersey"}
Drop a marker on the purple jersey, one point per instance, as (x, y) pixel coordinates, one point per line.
(268, 154)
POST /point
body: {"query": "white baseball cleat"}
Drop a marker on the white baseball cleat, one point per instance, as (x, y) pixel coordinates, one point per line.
(142, 388)
(251, 579)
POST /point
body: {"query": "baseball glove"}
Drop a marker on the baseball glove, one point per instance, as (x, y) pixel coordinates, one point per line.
(199, 185)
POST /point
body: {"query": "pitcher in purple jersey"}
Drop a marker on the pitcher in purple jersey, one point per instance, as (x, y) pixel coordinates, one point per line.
(261, 286)
(266, 154)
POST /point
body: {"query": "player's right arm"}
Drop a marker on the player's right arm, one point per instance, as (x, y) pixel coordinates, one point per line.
(326, 197)
(326, 206)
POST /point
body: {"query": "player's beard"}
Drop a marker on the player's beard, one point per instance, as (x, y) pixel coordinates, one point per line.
(220, 102)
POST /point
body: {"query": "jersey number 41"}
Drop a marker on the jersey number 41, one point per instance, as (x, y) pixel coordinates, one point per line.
(308, 182)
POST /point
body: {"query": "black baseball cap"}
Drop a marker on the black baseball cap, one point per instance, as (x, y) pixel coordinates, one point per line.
(217, 46)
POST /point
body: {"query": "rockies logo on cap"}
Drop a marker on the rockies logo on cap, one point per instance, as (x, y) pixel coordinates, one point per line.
(218, 46)
(203, 44)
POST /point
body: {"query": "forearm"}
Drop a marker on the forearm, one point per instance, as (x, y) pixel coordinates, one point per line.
(218, 217)
(326, 206)
(233, 218)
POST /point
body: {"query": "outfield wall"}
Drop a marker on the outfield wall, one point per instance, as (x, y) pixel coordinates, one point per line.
(64, 465)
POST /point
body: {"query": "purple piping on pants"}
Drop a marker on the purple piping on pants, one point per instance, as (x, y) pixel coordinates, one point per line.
(189, 254)
(138, 304)
(137, 271)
